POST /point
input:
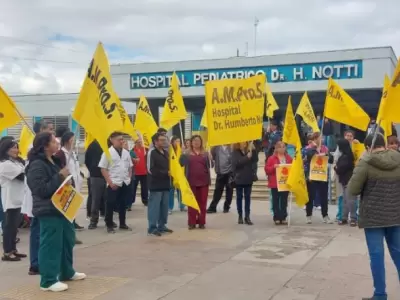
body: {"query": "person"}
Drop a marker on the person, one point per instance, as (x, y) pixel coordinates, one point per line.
(376, 178)
(97, 185)
(57, 234)
(315, 188)
(12, 176)
(273, 135)
(197, 165)
(118, 174)
(393, 143)
(344, 169)
(222, 158)
(134, 159)
(279, 199)
(244, 157)
(140, 172)
(4, 138)
(159, 185)
(176, 146)
(187, 144)
(327, 132)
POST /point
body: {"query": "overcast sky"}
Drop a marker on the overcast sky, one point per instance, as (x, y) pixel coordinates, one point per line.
(46, 45)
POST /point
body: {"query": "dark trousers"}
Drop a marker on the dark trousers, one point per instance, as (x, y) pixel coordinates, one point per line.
(11, 221)
(221, 182)
(117, 198)
(317, 189)
(34, 243)
(57, 240)
(375, 241)
(279, 204)
(201, 194)
(98, 189)
(89, 201)
(144, 191)
(243, 190)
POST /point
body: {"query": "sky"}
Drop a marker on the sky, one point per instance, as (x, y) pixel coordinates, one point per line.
(46, 45)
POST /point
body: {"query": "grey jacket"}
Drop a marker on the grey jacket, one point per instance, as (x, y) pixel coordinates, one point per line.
(214, 153)
(376, 178)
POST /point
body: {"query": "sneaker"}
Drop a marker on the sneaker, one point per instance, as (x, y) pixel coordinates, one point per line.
(154, 233)
(92, 226)
(10, 257)
(305, 207)
(309, 220)
(78, 276)
(125, 227)
(342, 222)
(166, 230)
(318, 207)
(327, 220)
(57, 287)
(78, 227)
(170, 212)
(110, 230)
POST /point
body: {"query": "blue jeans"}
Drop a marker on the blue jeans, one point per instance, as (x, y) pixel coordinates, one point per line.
(246, 191)
(34, 243)
(171, 201)
(340, 208)
(376, 249)
(157, 210)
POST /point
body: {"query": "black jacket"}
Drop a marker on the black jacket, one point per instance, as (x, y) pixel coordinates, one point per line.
(344, 168)
(92, 158)
(158, 169)
(244, 168)
(43, 179)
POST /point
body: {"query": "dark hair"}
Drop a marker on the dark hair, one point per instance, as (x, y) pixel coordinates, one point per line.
(44, 125)
(5, 138)
(173, 139)
(36, 127)
(345, 147)
(379, 141)
(113, 135)
(66, 137)
(155, 137)
(162, 130)
(392, 140)
(194, 137)
(349, 131)
(61, 130)
(41, 141)
(6, 145)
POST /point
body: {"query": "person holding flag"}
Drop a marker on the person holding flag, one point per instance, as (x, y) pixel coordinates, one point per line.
(176, 147)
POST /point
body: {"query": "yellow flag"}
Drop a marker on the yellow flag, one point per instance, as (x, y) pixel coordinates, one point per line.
(177, 172)
(296, 180)
(25, 141)
(144, 121)
(385, 124)
(203, 121)
(174, 108)
(97, 107)
(235, 109)
(290, 132)
(306, 111)
(391, 108)
(127, 124)
(88, 140)
(270, 102)
(8, 111)
(340, 107)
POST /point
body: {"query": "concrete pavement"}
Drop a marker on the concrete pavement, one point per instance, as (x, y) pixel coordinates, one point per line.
(225, 261)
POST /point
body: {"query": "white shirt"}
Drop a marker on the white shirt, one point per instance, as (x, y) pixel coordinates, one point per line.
(72, 164)
(28, 200)
(119, 167)
(12, 189)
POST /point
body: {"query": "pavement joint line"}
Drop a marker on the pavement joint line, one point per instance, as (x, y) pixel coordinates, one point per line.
(305, 265)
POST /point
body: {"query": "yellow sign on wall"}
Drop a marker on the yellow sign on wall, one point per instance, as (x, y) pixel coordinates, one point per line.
(235, 109)
(67, 200)
(319, 168)
(282, 174)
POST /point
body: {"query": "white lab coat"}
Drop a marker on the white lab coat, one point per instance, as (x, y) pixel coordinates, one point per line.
(119, 167)
(12, 189)
(72, 163)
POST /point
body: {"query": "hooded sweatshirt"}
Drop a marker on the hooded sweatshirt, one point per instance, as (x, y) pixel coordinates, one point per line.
(376, 178)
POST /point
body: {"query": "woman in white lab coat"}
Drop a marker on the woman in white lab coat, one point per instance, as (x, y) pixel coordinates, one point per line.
(12, 176)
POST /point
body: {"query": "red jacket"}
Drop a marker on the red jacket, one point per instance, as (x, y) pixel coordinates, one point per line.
(271, 171)
(140, 167)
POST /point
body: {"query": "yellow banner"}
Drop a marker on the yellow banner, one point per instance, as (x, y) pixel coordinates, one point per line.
(25, 141)
(204, 122)
(297, 181)
(340, 107)
(282, 175)
(270, 103)
(174, 108)
(290, 132)
(306, 111)
(385, 124)
(127, 123)
(8, 111)
(358, 150)
(97, 107)
(391, 111)
(235, 110)
(319, 168)
(67, 200)
(144, 121)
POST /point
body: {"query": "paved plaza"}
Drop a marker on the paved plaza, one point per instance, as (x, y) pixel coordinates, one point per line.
(225, 261)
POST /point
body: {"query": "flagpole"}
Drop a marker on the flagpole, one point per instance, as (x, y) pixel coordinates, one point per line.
(180, 129)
